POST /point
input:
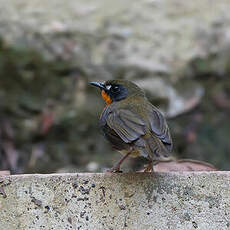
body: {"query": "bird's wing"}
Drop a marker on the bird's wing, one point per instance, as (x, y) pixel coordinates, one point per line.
(159, 126)
(127, 124)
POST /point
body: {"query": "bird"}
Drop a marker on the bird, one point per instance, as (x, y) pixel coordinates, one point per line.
(132, 125)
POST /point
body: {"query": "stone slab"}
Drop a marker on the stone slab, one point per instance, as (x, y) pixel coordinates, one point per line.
(175, 200)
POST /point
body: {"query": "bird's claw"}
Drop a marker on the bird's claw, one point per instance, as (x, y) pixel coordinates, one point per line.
(148, 167)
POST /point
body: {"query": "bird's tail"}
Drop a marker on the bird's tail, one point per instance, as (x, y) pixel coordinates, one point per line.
(156, 149)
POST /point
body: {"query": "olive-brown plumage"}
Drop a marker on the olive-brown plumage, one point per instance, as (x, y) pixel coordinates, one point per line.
(132, 124)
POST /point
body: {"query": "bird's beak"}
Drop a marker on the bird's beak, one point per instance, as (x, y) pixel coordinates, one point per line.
(98, 84)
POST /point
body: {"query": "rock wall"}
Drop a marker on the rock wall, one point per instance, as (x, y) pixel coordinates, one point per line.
(136, 40)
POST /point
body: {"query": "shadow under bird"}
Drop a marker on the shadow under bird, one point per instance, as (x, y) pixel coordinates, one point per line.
(132, 124)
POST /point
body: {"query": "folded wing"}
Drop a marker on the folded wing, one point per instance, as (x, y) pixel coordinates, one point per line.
(129, 126)
(159, 126)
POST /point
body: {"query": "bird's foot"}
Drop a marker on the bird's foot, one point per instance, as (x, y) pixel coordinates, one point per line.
(148, 167)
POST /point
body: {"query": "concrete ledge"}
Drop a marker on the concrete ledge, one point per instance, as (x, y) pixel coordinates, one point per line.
(188, 200)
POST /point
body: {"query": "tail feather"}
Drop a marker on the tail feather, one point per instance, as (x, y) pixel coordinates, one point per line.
(153, 148)
(156, 148)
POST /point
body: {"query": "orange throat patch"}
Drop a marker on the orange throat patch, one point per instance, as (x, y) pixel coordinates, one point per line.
(106, 97)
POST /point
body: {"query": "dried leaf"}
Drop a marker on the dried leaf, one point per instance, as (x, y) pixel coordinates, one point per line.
(183, 165)
(4, 173)
(11, 153)
(47, 122)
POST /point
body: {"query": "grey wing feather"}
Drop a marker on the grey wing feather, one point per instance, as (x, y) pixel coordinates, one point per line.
(159, 127)
(128, 125)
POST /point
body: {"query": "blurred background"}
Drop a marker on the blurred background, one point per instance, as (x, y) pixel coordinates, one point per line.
(178, 51)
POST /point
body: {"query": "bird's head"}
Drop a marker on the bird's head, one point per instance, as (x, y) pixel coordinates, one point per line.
(117, 90)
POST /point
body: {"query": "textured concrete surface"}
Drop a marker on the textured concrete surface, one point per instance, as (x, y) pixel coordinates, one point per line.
(192, 200)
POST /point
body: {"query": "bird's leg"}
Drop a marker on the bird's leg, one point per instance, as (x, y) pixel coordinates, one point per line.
(149, 167)
(116, 167)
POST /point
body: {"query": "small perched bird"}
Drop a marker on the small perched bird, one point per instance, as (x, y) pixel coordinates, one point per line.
(132, 124)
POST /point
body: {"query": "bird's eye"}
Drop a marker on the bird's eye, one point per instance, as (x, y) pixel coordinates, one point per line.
(115, 89)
